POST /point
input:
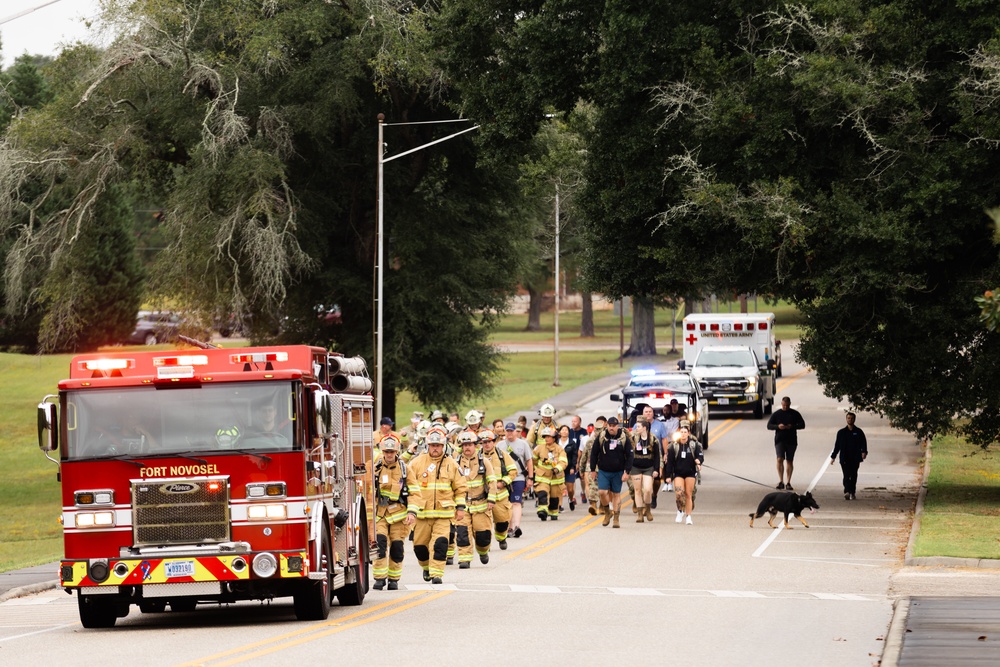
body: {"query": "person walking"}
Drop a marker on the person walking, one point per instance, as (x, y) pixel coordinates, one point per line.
(546, 415)
(852, 445)
(437, 497)
(659, 430)
(520, 452)
(611, 457)
(591, 495)
(481, 486)
(550, 469)
(684, 459)
(645, 468)
(578, 436)
(572, 449)
(786, 423)
(390, 515)
(504, 469)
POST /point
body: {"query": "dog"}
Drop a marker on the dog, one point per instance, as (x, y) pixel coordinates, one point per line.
(786, 502)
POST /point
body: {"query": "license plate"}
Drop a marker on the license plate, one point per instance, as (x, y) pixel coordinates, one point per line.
(723, 401)
(179, 568)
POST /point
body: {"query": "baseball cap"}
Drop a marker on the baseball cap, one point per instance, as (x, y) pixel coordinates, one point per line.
(684, 423)
(386, 421)
(613, 421)
(510, 427)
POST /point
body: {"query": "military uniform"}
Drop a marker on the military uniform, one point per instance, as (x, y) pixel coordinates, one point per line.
(390, 526)
(481, 485)
(550, 478)
(592, 496)
(437, 489)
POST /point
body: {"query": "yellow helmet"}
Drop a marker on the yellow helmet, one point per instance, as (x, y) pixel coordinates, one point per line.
(468, 437)
(487, 435)
(547, 432)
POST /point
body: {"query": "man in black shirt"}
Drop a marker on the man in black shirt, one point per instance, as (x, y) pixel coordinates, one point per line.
(852, 446)
(611, 457)
(786, 423)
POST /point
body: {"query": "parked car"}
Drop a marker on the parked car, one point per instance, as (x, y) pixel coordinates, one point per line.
(656, 389)
(155, 327)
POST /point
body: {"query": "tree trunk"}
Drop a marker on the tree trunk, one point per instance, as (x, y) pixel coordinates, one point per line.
(587, 316)
(534, 310)
(643, 329)
(689, 302)
(743, 303)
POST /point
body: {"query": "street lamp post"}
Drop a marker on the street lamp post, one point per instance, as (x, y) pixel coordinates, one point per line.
(556, 382)
(379, 257)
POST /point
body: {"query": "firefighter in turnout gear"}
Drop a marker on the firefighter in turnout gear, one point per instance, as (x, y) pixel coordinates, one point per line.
(550, 466)
(505, 470)
(481, 484)
(437, 496)
(547, 413)
(390, 515)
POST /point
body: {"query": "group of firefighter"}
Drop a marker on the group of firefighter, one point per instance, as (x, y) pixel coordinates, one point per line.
(447, 487)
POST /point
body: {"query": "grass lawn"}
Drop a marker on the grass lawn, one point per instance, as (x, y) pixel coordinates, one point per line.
(962, 506)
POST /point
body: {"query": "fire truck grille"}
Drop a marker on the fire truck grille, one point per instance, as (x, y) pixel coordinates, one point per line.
(180, 511)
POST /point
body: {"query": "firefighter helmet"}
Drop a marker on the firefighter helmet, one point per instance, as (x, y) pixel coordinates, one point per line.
(422, 427)
(436, 436)
(453, 427)
(468, 437)
(473, 417)
(547, 432)
(547, 410)
(389, 444)
(227, 437)
(487, 435)
(437, 414)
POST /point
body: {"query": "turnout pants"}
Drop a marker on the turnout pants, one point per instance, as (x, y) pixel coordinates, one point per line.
(430, 544)
(548, 496)
(474, 527)
(501, 519)
(390, 538)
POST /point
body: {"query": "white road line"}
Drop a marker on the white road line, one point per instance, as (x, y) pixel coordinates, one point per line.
(774, 535)
(737, 594)
(493, 589)
(38, 632)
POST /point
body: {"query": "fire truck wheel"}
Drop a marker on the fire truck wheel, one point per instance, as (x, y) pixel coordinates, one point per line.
(312, 601)
(352, 595)
(182, 605)
(153, 606)
(97, 613)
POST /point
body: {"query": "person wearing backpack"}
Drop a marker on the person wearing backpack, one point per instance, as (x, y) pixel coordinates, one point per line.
(550, 474)
(645, 468)
(520, 451)
(390, 515)
(481, 484)
(611, 457)
(683, 465)
(504, 470)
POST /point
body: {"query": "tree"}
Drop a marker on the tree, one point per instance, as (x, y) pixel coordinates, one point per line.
(24, 87)
(253, 126)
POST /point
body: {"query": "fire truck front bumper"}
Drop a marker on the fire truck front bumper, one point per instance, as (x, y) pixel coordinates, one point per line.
(111, 573)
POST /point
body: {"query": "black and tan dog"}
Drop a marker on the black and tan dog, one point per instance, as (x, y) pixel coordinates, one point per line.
(786, 503)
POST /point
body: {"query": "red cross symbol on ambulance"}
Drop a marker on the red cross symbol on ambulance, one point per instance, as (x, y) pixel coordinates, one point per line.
(691, 339)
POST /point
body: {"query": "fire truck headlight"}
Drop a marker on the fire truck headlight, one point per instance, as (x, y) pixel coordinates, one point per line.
(269, 512)
(95, 519)
(265, 565)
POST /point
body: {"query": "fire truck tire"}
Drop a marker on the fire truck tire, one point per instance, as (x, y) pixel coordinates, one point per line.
(312, 601)
(183, 605)
(153, 606)
(758, 409)
(97, 613)
(352, 595)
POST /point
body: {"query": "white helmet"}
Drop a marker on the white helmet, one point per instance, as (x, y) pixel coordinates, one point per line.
(468, 437)
(422, 427)
(473, 417)
(437, 414)
(389, 444)
(436, 436)
(547, 410)
(487, 435)
(547, 431)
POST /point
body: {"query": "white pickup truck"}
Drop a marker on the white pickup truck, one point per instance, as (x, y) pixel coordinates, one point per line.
(734, 376)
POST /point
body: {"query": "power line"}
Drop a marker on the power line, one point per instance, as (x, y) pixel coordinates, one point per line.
(25, 12)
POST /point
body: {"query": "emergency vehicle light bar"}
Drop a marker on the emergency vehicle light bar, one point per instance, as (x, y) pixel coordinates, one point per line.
(257, 357)
(183, 360)
(643, 372)
(106, 364)
(655, 395)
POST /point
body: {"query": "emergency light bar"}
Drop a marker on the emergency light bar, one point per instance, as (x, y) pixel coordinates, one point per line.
(174, 372)
(106, 364)
(738, 326)
(257, 357)
(183, 360)
(643, 372)
(655, 395)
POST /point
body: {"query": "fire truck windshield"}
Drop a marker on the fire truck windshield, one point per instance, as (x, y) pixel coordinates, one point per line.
(140, 421)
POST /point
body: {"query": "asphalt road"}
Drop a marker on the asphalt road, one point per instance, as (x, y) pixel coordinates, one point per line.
(714, 593)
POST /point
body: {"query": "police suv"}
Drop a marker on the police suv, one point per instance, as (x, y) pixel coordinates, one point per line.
(656, 388)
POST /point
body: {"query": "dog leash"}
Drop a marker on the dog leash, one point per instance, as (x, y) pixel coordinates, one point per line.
(705, 465)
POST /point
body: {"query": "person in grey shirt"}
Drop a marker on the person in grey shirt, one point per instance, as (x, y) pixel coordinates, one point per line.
(520, 451)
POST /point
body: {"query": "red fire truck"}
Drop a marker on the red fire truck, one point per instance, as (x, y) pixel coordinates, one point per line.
(212, 475)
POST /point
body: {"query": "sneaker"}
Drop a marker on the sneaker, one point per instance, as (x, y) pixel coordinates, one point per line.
(853, 497)
(670, 486)
(436, 580)
(572, 505)
(427, 575)
(379, 584)
(393, 585)
(688, 520)
(653, 503)
(464, 565)
(847, 496)
(517, 532)
(484, 558)
(680, 516)
(503, 545)
(788, 487)
(781, 486)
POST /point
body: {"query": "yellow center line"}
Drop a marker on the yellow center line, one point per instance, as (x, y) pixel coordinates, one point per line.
(785, 381)
(597, 521)
(305, 630)
(551, 537)
(334, 630)
(724, 428)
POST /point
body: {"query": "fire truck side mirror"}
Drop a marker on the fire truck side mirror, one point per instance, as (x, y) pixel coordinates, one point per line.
(48, 427)
(324, 414)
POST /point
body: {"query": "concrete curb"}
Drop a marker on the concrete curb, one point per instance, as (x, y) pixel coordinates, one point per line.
(30, 589)
(897, 630)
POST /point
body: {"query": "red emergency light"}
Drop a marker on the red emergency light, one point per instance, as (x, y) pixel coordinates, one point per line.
(713, 327)
(257, 357)
(690, 326)
(738, 326)
(182, 360)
